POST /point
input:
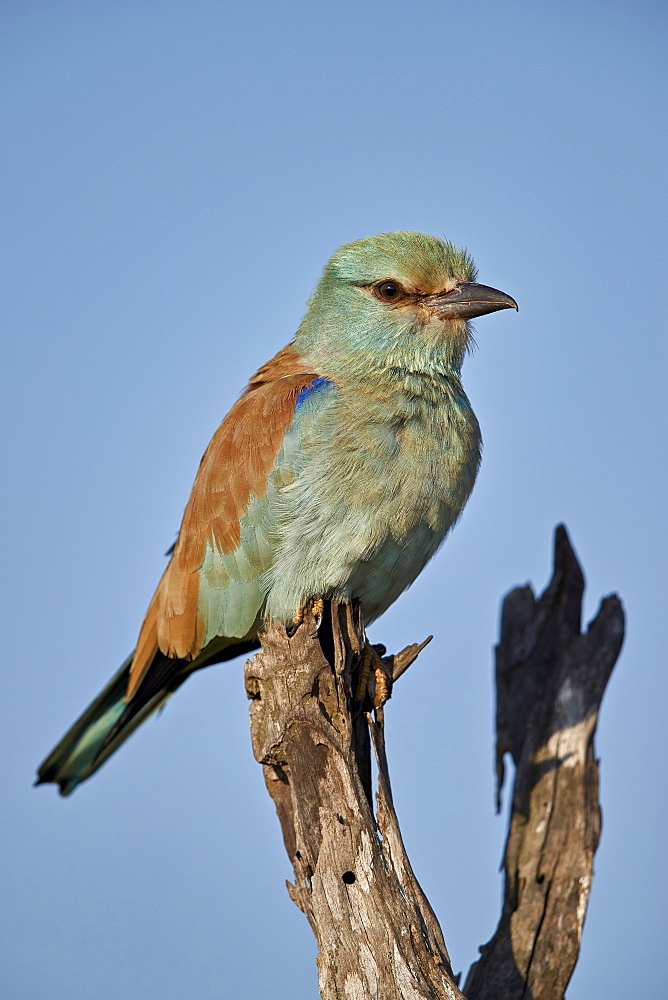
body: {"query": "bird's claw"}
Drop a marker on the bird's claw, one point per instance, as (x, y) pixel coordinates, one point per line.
(317, 609)
(375, 677)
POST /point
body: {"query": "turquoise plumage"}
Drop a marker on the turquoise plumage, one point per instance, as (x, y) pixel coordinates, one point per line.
(338, 473)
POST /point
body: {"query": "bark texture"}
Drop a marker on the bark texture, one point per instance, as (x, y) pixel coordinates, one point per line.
(377, 935)
(550, 680)
(376, 932)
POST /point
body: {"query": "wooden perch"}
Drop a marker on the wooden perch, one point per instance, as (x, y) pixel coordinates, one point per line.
(377, 935)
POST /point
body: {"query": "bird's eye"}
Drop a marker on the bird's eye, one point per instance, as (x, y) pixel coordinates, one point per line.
(388, 291)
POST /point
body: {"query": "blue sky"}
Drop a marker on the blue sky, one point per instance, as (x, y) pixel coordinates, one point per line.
(174, 177)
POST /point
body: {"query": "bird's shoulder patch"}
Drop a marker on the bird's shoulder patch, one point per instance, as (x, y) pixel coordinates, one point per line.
(317, 385)
(234, 468)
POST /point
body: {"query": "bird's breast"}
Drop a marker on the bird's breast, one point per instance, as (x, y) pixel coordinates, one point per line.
(385, 475)
(417, 456)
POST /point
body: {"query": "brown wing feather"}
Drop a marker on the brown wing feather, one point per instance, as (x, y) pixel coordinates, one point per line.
(236, 465)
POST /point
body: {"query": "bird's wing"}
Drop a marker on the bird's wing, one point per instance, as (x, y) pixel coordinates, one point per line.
(214, 583)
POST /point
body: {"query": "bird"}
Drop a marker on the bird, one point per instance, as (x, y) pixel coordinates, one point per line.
(337, 474)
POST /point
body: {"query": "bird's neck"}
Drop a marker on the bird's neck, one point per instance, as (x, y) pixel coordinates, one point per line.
(413, 358)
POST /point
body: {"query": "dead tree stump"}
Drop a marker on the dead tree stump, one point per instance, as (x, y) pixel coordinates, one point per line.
(377, 935)
(550, 680)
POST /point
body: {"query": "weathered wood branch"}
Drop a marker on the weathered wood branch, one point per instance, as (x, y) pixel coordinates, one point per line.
(377, 934)
(550, 680)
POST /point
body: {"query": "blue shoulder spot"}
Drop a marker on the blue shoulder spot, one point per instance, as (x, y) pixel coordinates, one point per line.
(308, 390)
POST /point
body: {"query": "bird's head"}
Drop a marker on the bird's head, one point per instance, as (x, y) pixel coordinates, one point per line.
(398, 299)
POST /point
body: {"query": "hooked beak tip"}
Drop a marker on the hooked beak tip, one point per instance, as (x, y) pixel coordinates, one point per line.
(468, 299)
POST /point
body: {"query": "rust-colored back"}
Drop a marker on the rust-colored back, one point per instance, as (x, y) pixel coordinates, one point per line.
(235, 466)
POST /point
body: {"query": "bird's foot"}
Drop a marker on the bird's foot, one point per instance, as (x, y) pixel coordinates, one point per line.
(375, 676)
(318, 610)
(317, 605)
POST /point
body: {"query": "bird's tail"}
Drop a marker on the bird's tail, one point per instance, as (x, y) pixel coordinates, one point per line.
(111, 718)
(96, 734)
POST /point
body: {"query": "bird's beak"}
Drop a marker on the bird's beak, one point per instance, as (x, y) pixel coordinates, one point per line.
(467, 300)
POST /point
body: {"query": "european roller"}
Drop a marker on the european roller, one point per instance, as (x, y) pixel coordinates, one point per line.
(337, 474)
